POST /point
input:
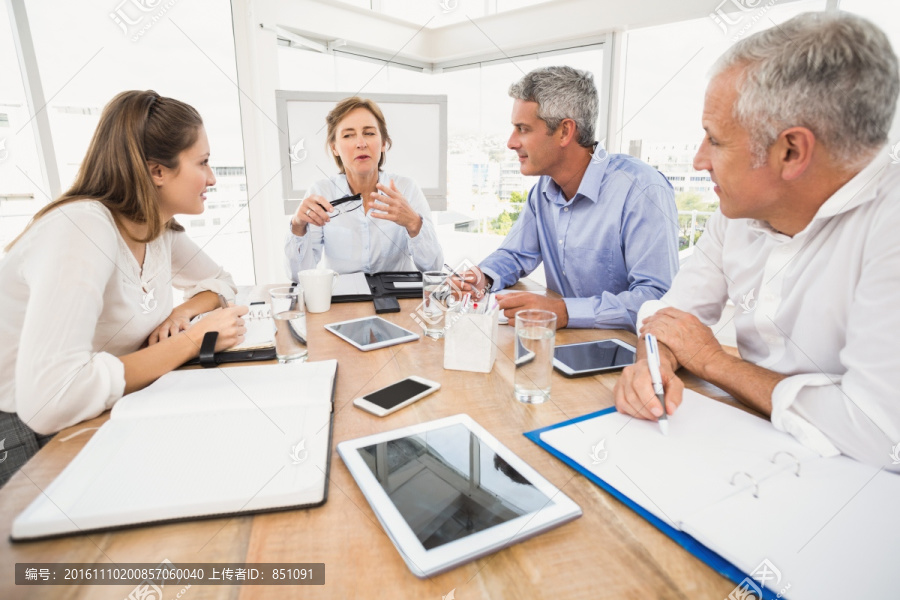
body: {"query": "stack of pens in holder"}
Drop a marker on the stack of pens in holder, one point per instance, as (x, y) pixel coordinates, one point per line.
(470, 335)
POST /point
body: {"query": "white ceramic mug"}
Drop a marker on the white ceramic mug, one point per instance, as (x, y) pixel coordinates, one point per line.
(317, 286)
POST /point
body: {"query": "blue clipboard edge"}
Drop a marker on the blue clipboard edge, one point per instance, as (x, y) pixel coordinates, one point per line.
(686, 541)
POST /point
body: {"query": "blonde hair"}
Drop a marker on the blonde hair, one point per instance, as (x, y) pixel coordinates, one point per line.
(136, 127)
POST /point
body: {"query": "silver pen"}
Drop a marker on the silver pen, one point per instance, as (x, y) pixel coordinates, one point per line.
(656, 378)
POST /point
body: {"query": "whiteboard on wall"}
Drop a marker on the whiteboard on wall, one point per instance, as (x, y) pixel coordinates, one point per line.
(417, 125)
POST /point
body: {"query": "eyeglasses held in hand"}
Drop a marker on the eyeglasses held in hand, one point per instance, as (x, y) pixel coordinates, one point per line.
(346, 204)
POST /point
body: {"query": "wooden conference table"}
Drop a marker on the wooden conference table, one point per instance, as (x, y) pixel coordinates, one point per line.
(609, 552)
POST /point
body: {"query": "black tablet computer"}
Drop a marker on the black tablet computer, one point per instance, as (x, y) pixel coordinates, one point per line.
(591, 358)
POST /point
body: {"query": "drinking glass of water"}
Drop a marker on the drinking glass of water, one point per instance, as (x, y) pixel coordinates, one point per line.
(535, 336)
(289, 314)
(437, 297)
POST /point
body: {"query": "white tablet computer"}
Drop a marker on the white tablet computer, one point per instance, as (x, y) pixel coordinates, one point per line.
(591, 358)
(447, 492)
(369, 333)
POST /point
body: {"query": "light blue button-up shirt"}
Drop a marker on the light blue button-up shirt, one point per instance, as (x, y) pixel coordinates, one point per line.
(608, 250)
(356, 241)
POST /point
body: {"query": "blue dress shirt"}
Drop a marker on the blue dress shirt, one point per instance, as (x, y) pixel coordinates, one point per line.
(608, 250)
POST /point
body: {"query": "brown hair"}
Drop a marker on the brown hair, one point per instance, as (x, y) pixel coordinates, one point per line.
(341, 110)
(135, 127)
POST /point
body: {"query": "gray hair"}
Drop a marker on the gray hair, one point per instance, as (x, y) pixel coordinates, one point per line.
(833, 73)
(562, 93)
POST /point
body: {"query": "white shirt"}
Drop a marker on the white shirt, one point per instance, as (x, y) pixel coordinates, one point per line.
(73, 299)
(822, 307)
(356, 241)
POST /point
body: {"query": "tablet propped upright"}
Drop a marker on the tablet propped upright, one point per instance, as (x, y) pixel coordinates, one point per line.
(447, 492)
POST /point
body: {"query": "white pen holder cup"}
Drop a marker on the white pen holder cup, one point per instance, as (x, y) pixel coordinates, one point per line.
(317, 286)
(470, 341)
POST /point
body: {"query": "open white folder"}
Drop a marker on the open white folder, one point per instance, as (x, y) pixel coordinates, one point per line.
(196, 444)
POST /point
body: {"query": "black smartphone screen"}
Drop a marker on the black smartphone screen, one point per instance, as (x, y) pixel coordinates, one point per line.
(396, 393)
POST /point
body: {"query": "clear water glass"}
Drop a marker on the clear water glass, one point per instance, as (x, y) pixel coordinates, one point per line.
(535, 338)
(289, 314)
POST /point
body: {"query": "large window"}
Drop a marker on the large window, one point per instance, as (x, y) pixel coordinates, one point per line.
(666, 74)
(21, 181)
(89, 51)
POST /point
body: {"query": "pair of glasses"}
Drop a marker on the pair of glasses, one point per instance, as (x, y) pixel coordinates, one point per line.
(346, 204)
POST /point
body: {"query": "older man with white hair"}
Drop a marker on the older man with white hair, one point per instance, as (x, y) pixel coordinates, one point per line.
(806, 243)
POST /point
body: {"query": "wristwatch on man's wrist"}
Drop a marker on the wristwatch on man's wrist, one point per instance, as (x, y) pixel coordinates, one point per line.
(488, 284)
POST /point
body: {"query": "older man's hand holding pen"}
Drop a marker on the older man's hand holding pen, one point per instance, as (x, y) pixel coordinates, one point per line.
(635, 394)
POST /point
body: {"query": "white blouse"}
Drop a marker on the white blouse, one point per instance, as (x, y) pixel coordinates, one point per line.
(73, 299)
(356, 241)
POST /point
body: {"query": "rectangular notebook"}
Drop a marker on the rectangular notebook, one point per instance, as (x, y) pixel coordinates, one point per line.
(360, 287)
(197, 444)
(259, 340)
(351, 284)
(749, 500)
(260, 328)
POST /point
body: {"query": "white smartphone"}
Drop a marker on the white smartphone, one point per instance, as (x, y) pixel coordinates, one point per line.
(396, 396)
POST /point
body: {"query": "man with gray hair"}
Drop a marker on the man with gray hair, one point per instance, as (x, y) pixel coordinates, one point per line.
(604, 225)
(797, 119)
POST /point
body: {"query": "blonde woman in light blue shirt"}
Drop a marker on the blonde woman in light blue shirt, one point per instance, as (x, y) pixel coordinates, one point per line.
(388, 229)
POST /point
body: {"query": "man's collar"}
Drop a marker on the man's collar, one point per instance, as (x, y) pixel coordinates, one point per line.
(590, 181)
(859, 190)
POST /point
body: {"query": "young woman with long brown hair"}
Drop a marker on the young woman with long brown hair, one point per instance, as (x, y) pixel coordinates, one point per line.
(86, 309)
